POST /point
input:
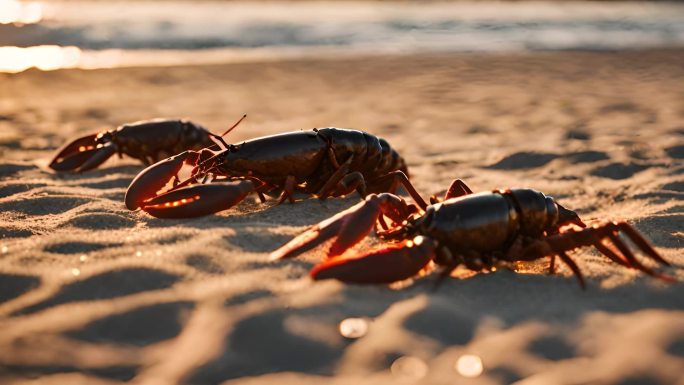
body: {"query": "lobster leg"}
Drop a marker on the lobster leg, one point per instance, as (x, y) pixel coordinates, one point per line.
(386, 265)
(558, 244)
(288, 190)
(612, 229)
(72, 155)
(612, 255)
(198, 200)
(350, 182)
(347, 227)
(445, 258)
(332, 182)
(457, 189)
(640, 241)
(573, 266)
(552, 265)
(396, 179)
(632, 259)
(155, 177)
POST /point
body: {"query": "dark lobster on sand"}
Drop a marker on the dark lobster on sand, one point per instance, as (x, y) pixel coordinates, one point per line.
(474, 230)
(326, 162)
(149, 141)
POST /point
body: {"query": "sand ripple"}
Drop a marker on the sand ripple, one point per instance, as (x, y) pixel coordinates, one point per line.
(92, 293)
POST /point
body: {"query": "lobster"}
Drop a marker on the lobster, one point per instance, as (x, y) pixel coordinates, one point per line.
(477, 231)
(149, 141)
(326, 162)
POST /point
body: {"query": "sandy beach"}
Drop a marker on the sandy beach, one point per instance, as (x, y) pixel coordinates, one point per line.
(91, 293)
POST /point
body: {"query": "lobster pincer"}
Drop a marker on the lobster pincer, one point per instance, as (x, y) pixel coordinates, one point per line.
(149, 141)
(196, 201)
(187, 199)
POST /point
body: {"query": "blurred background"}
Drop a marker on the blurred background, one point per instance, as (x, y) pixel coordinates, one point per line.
(101, 34)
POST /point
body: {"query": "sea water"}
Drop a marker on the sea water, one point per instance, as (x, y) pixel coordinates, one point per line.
(96, 34)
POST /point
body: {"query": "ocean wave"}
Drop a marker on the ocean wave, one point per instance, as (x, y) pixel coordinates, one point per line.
(406, 27)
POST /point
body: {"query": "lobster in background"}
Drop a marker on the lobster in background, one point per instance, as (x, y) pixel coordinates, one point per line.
(149, 141)
(326, 162)
(474, 230)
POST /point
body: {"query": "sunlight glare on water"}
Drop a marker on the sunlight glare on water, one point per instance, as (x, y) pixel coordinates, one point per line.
(13, 11)
(141, 33)
(43, 57)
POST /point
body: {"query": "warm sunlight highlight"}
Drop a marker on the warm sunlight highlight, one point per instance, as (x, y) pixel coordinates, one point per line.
(353, 328)
(44, 57)
(469, 365)
(13, 11)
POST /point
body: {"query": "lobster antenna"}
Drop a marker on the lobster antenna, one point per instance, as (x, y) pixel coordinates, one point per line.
(218, 139)
(234, 125)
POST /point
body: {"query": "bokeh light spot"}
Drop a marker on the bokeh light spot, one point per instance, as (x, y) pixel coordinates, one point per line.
(469, 365)
(353, 328)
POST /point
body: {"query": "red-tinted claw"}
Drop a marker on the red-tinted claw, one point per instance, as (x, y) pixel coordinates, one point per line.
(356, 225)
(198, 200)
(72, 155)
(305, 241)
(387, 265)
(350, 226)
(98, 156)
(153, 178)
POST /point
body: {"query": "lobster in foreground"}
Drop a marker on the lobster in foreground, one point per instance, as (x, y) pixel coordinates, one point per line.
(475, 230)
(149, 141)
(325, 162)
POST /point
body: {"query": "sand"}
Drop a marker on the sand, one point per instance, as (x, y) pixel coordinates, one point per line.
(91, 293)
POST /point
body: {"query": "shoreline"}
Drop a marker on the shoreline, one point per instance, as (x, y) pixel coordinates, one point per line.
(73, 58)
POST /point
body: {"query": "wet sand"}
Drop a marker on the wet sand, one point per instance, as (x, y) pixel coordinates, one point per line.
(91, 293)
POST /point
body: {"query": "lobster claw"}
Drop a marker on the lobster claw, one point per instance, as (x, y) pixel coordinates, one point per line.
(198, 200)
(391, 264)
(349, 226)
(150, 180)
(82, 154)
